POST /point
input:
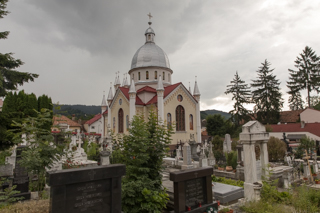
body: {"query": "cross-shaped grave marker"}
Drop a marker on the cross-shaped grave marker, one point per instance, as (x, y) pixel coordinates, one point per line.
(307, 158)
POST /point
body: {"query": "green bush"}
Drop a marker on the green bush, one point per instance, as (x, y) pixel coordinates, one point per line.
(227, 181)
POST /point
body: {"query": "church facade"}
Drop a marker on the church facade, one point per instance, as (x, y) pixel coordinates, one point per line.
(151, 88)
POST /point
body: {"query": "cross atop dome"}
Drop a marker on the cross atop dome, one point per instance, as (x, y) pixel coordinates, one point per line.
(150, 16)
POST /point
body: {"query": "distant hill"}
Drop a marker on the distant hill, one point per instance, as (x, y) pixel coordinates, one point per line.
(205, 113)
(86, 112)
(83, 112)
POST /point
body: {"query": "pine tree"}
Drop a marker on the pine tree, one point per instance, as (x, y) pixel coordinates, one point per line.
(307, 76)
(241, 95)
(267, 96)
(9, 77)
(295, 100)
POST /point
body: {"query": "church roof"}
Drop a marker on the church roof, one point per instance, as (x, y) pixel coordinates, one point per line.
(148, 55)
(167, 90)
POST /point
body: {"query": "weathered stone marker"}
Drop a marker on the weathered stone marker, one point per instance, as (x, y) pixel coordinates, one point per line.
(192, 190)
(20, 177)
(94, 189)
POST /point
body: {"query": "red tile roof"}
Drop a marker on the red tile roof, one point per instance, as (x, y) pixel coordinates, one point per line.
(94, 119)
(105, 112)
(61, 119)
(147, 89)
(290, 116)
(313, 128)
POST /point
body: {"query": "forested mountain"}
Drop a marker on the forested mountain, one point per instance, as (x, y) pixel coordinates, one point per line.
(80, 111)
(86, 112)
(205, 113)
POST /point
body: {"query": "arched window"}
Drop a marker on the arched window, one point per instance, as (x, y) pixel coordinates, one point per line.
(163, 77)
(147, 74)
(120, 121)
(168, 76)
(114, 124)
(169, 120)
(191, 121)
(155, 75)
(127, 122)
(180, 119)
(139, 76)
(132, 77)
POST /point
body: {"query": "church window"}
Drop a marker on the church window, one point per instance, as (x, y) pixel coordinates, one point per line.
(169, 120)
(127, 122)
(155, 75)
(179, 98)
(138, 75)
(132, 77)
(114, 124)
(163, 78)
(149, 37)
(169, 77)
(191, 121)
(147, 74)
(120, 121)
(180, 119)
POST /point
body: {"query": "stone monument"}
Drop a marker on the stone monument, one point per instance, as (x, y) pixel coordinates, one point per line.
(227, 144)
(94, 189)
(187, 164)
(254, 133)
(203, 161)
(211, 158)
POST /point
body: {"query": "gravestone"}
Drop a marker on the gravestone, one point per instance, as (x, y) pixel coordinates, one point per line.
(211, 158)
(203, 161)
(192, 190)
(95, 189)
(227, 144)
(186, 157)
(20, 176)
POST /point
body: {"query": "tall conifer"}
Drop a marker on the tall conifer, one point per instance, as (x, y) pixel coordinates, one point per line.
(306, 77)
(267, 96)
(241, 95)
(10, 78)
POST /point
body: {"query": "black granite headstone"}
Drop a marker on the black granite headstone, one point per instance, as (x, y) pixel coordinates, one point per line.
(192, 190)
(20, 176)
(93, 189)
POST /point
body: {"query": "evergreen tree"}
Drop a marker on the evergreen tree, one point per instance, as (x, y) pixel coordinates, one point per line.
(295, 100)
(142, 151)
(10, 78)
(307, 76)
(241, 95)
(32, 105)
(267, 95)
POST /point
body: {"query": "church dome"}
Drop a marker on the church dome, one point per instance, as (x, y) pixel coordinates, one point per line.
(150, 55)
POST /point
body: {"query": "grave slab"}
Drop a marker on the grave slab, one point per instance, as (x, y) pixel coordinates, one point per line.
(86, 190)
(227, 193)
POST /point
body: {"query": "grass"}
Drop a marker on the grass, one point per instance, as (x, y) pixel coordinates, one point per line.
(34, 206)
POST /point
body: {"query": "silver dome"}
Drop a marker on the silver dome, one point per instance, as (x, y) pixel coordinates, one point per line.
(150, 55)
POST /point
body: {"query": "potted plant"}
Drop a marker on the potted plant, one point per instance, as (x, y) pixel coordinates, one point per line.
(317, 181)
(314, 174)
(305, 178)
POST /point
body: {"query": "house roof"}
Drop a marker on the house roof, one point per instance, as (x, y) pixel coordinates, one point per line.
(61, 119)
(313, 128)
(94, 119)
(290, 116)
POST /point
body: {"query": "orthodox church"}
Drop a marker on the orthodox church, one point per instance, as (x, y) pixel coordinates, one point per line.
(150, 88)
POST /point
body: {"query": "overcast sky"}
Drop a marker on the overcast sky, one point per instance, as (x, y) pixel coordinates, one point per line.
(76, 46)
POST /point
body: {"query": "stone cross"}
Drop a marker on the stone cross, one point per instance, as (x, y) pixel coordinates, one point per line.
(150, 16)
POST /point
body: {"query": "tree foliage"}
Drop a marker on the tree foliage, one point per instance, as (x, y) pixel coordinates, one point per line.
(10, 78)
(266, 95)
(307, 76)
(305, 144)
(295, 100)
(16, 107)
(142, 152)
(217, 125)
(241, 95)
(276, 149)
(40, 152)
